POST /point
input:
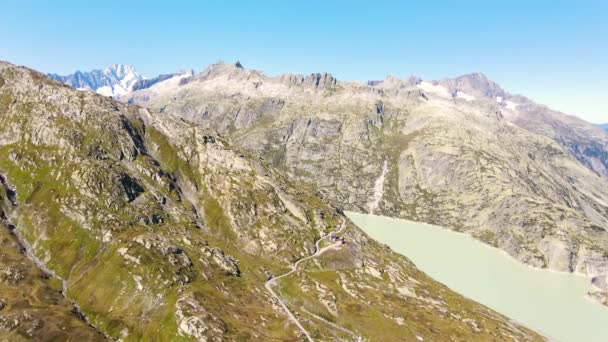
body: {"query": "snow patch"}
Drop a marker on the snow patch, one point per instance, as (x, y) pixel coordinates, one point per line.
(170, 83)
(435, 89)
(105, 91)
(464, 96)
(499, 99)
(511, 105)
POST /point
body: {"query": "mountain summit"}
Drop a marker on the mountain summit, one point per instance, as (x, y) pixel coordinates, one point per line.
(475, 84)
(115, 80)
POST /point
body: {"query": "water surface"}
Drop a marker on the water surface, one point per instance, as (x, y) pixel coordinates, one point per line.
(549, 302)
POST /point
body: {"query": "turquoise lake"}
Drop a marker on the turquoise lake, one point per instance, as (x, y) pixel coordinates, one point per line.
(551, 303)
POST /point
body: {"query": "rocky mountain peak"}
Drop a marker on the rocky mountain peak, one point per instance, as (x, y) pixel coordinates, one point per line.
(122, 71)
(392, 81)
(234, 71)
(475, 84)
(315, 80)
(320, 80)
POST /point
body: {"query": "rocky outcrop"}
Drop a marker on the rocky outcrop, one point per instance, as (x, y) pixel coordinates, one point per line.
(193, 320)
(226, 262)
(316, 80)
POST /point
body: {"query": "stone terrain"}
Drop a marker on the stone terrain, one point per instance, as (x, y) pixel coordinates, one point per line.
(461, 153)
(149, 227)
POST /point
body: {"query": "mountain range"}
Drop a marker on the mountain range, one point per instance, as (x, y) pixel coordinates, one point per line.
(115, 80)
(604, 127)
(189, 195)
(124, 223)
(461, 152)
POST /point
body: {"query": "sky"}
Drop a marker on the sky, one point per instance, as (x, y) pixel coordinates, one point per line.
(555, 52)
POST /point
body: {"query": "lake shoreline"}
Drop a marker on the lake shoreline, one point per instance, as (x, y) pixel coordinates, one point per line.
(500, 283)
(482, 243)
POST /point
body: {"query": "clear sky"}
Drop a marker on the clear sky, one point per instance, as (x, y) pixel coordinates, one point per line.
(554, 51)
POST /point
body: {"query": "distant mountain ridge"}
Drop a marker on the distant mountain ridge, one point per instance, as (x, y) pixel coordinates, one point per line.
(182, 77)
(604, 127)
(115, 80)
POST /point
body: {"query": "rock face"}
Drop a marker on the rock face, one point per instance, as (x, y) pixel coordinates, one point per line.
(225, 262)
(317, 80)
(160, 230)
(460, 153)
(585, 142)
(195, 321)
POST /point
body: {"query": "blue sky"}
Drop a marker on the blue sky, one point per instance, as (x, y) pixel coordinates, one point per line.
(555, 52)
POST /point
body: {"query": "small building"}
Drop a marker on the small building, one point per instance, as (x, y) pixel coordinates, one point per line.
(335, 238)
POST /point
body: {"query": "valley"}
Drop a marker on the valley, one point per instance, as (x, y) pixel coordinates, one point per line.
(303, 171)
(461, 153)
(162, 229)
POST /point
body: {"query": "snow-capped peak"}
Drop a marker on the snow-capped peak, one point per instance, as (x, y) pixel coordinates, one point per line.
(115, 80)
(122, 71)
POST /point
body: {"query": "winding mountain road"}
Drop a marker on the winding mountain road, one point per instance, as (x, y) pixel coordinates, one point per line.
(272, 281)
